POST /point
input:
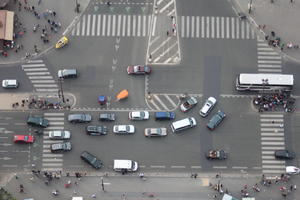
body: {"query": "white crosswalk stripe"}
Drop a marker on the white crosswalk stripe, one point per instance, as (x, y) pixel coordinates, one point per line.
(163, 101)
(50, 161)
(268, 60)
(40, 77)
(214, 27)
(272, 139)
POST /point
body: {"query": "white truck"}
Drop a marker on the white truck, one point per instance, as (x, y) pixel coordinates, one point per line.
(125, 166)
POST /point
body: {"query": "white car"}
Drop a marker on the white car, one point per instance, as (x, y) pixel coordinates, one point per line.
(139, 115)
(292, 170)
(59, 135)
(123, 129)
(155, 132)
(208, 106)
(10, 83)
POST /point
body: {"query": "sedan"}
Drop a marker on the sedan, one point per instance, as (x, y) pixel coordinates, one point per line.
(155, 132)
(139, 115)
(285, 154)
(12, 83)
(216, 155)
(23, 139)
(208, 106)
(188, 104)
(79, 118)
(96, 130)
(61, 147)
(138, 69)
(107, 117)
(37, 121)
(123, 129)
(91, 159)
(59, 135)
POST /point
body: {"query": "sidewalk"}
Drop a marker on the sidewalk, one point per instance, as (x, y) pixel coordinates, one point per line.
(8, 99)
(26, 38)
(134, 188)
(280, 17)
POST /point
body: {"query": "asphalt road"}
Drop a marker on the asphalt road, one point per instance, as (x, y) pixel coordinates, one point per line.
(208, 68)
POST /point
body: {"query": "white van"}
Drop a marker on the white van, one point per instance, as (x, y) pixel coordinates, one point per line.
(183, 124)
(125, 165)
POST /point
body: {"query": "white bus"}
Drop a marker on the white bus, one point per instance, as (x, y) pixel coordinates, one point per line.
(265, 82)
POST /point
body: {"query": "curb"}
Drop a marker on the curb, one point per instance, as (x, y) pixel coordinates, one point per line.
(237, 5)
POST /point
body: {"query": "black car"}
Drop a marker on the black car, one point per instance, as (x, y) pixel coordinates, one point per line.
(216, 120)
(79, 118)
(107, 117)
(285, 154)
(91, 159)
(216, 155)
(96, 130)
(60, 147)
(37, 121)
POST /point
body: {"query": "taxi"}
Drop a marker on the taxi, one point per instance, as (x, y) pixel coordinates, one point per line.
(62, 42)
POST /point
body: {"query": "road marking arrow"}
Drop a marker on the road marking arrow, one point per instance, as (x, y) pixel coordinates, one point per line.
(117, 47)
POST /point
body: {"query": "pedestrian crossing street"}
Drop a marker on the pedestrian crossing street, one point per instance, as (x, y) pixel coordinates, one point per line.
(140, 26)
(268, 60)
(39, 76)
(272, 139)
(51, 161)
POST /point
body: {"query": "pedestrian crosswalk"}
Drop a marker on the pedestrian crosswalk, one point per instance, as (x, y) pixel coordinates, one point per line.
(272, 139)
(268, 60)
(215, 27)
(211, 27)
(50, 161)
(39, 76)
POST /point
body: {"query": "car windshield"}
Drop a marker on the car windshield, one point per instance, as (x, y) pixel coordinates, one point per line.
(136, 68)
(57, 133)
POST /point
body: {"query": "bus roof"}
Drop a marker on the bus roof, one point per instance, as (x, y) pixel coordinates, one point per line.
(272, 79)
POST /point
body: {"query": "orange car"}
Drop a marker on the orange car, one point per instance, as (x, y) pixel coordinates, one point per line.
(23, 139)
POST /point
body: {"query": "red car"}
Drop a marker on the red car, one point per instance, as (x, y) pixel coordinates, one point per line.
(138, 69)
(23, 139)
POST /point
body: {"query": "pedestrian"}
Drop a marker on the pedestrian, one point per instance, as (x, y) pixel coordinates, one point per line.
(195, 175)
(273, 121)
(15, 173)
(292, 187)
(282, 46)
(39, 2)
(292, 1)
(192, 175)
(108, 3)
(54, 13)
(295, 187)
(168, 33)
(273, 33)
(32, 8)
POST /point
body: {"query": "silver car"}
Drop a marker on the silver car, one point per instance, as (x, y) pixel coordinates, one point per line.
(59, 135)
(155, 132)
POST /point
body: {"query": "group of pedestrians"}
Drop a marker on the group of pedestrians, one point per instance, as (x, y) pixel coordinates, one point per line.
(273, 102)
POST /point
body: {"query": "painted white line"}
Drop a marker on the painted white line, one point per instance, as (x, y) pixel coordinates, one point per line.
(37, 73)
(52, 164)
(232, 28)
(40, 77)
(271, 134)
(51, 141)
(273, 148)
(270, 70)
(56, 123)
(83, 25)
(55, 118)
(273, 143)
(35, 61)
(269, 57)
(43, 81)
(103, 24)
(98, 25)
(273, 161)
(139, 26)
(55, 128)
(133, 25)
(220, 167)
(128, 25)
(46, 90)
(35, 69)
(108, 25)
(271, 120)
(165, 7)
(45, 85)
(54, 114)
(119, 22)
(52, 155)
(52, 160)
(33, 65)
(274, 166)
(202, 27)
(267, 53)
(52, 169)
(170, 100)
(238, 167)
(268, 152)
(88, 24)
(158, 166)
(93, 25)
(178, 167)
(161, 103)
(269, 66)
(154, 26)
(268, 157)
(113, 25)
(227, 28)
(196, 167)
(273, 171)
(273, 138)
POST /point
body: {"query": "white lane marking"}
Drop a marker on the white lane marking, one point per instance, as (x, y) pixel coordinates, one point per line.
(40, 77)
(54, 114)
(35, 69)
(133, 25)
(178, 167)
(88, 25)
(33, 65)
(154, 25)
(46, 90)
(113, 25)
(273, 148)
(45, 85)
(37, 73)
(93, 25)
(103, 24)
(43, 81)
(128, 25)
(35, 61)
(161, 103)
(98, 25)
(273, 161)
(83, 25)
(170, 100)
(108, 25)
(232, 28)
(197, 26)
(158, 166)
(139, 27)
(52, 155)
(78, 28)
(52, 164)
(52, 160)
(119, 25)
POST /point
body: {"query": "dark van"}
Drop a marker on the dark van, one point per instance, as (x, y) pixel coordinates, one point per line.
(67, 73)
(164, 115)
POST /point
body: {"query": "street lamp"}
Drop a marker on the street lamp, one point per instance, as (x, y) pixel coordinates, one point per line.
(102, 184)
(60, 91)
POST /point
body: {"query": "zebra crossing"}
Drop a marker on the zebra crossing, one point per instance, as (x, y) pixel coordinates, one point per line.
(211, 27)
(50, 161)
(272, 139)
(39, 76)
(214, 27)
(268, 60)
